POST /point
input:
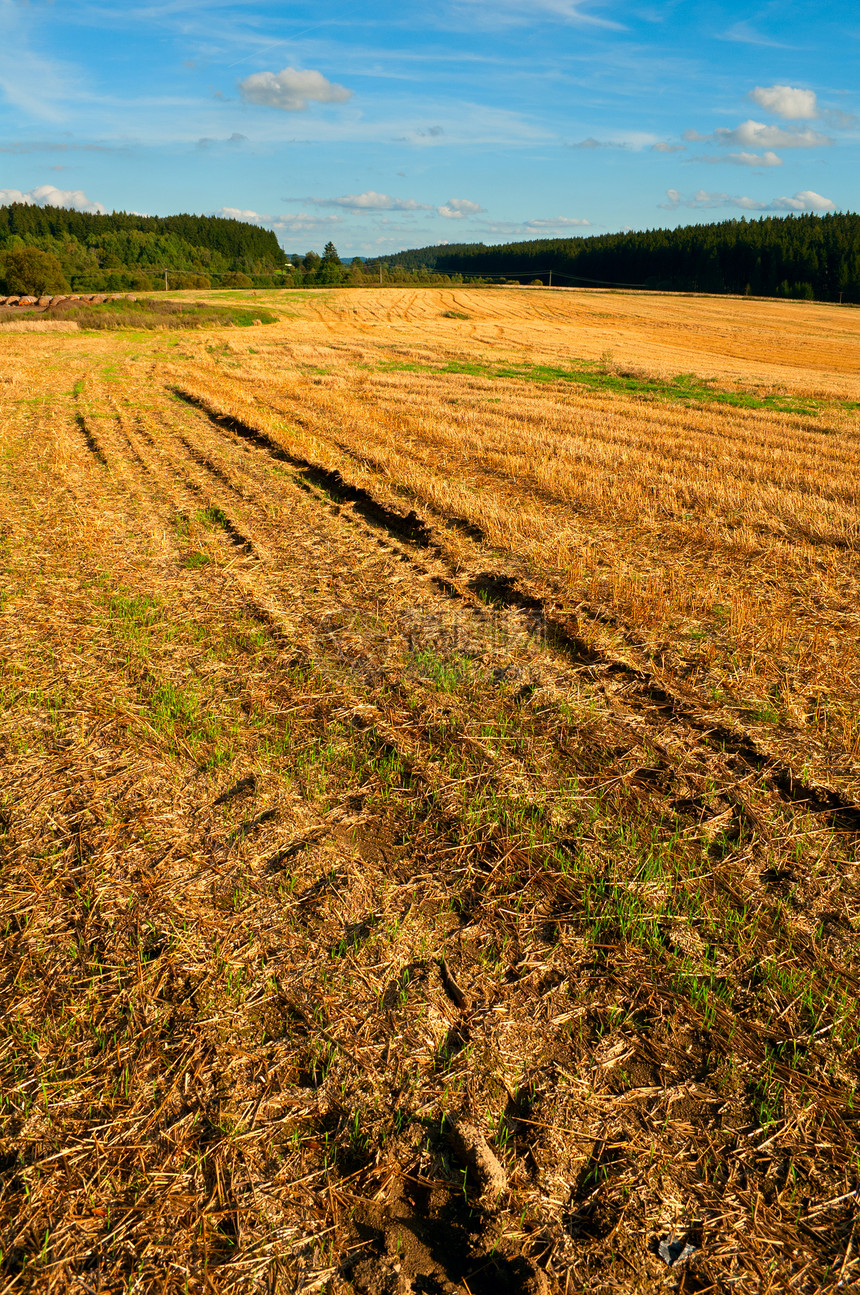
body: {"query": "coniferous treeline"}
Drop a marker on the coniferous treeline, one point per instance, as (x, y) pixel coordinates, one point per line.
(790, 256)
(807, 256)
(123, 251)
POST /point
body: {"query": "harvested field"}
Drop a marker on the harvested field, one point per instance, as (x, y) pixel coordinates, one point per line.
(431, 798)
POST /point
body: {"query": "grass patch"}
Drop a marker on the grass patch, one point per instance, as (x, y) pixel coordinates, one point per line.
(685, 387)
(156, 314)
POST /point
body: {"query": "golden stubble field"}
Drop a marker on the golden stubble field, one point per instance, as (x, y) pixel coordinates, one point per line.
(431, 766)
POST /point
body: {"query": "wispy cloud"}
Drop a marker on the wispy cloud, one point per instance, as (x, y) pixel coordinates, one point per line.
(805, 200)
(786, 101)
(566, 11)
(36, 84)
(22, 148)
(633, 141)
(291, 90)
(662, 147)
(745, 34)
(234, 141)
(48, 195)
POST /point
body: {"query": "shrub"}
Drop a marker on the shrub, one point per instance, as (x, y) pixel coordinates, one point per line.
(31, 271)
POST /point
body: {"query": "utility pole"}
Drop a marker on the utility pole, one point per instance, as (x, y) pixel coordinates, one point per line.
(380, 274)
(165, 281)
(550, 278)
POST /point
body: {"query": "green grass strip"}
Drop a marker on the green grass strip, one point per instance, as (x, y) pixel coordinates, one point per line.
(685, 387)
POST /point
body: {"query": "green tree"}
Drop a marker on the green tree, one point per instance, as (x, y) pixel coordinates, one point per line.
(331, 268)
(31, 271)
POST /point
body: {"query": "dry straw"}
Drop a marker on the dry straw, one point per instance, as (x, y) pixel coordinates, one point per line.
(401, 737)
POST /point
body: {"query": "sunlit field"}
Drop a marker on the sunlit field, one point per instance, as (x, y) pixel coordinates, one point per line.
(431, 796)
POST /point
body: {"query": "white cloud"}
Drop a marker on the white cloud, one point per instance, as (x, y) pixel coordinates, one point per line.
(662, 147)
(742, 159)
(291, 89)
(560, 222)
(303, 222)
(756, 134)
(786, 101)
(544, 227)
(458, 208)
(756, 159)
(806, 200)
(47, 195)
(237, 213)
(371, 201)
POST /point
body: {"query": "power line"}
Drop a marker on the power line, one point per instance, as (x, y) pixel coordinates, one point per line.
(516, 274)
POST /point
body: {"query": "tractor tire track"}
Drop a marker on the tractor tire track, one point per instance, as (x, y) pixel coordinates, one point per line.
(690, 711)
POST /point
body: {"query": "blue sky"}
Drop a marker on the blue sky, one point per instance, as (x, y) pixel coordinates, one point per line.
(397, 125)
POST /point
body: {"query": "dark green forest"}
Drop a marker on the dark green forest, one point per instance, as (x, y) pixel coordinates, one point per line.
(122, 252)
(806, 256)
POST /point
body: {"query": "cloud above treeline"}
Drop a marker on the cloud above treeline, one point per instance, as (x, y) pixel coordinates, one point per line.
(377, 207)
(239, 213)
(558, 222)
(805, 200)
(298, 223)
(291, 89)
(370, 200)
(48, 195)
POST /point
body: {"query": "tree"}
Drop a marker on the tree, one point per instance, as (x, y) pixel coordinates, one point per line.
(331, 268)
(30, 271)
